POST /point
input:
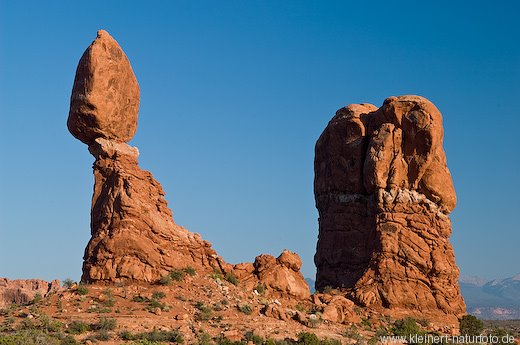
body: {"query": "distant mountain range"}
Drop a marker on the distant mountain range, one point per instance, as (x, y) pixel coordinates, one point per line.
(497, 299)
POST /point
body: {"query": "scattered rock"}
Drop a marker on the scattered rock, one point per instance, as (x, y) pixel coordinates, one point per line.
(280, 274)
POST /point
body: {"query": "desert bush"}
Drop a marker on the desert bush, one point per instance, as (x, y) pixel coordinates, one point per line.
(189, 271)
(104, 324)
(353, 333)
(110, 300)
(230, 277)
(37, 298)
(78, 327)
(470, 325)
(225, 341)
(157, 295)
(153, 337)
(146, 342)
(260, 288)
(216, 274)
(82, 289)
(205, 312)
(26, 324)
(67, 283)
(406, 327)
(48, 324)
(245, 308)
(103, 335)
(36, 337)
(204, 338)
(306, 338)
(177, 275)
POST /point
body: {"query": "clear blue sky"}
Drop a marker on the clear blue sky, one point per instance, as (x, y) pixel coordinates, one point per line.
(234, 95)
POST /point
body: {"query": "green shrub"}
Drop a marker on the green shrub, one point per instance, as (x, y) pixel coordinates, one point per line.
(177, 275)
(158, 295)
(230, 277)
(205, 312)
(306, 338)
(216, 274)
(254, 338)
(103, 335)
(260, 288)
(49, 325)
(82, 289)
(110, 300)
(29, 337)
(245, 308)
(353, 333)
(37, 298)
(406, 327)
(190, 271)
(146, 342)
(104, 324)
(67, 283)
(470, 325)
(153, 337)
(78, 327)
(68, 340)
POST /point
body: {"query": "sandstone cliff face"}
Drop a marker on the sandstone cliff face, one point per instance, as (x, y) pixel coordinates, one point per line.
(384, 192)
(22, 291)
(134, 236)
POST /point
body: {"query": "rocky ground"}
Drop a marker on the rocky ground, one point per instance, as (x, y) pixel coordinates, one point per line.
(195, 308)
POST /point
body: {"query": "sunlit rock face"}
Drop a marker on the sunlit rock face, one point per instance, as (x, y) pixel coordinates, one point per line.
(384, 192)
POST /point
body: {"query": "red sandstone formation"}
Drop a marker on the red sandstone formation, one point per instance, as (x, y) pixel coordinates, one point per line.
(22, 291)
(134, 237)
(384, 192)
(105, 95)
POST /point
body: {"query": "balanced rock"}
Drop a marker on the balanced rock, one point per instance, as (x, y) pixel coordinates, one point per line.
(105, 95)
(133, 233)
(384, 193)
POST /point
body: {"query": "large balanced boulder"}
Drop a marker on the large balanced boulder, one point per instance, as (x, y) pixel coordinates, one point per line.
(105, 95)
(384, 193)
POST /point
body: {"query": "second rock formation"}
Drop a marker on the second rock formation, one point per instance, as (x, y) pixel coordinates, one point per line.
(384, 192)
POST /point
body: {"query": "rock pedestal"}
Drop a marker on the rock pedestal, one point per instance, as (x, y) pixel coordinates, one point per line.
(384, 193)
(133, 233)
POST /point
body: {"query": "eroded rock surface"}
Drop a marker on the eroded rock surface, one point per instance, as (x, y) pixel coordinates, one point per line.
(281, 274)
(133, 233)
(23, 291)
(105, 95)
(384, 192)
